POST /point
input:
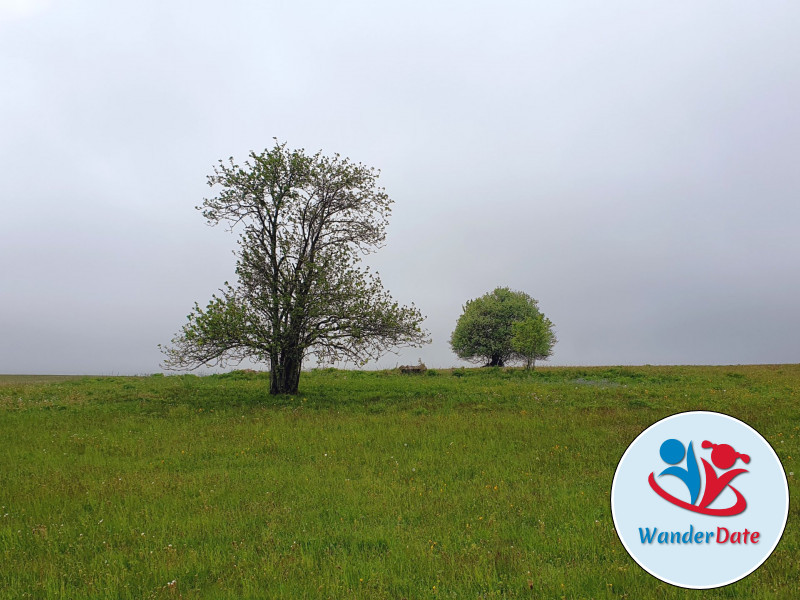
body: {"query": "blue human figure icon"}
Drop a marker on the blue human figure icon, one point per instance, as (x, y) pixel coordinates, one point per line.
(672, 452)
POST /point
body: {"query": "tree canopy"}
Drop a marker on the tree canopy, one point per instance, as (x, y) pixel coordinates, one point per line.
(533, 338)
(305, 222)
(485, 330)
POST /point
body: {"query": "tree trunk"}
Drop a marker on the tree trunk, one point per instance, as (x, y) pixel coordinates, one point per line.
(285, 374)
(496, 361)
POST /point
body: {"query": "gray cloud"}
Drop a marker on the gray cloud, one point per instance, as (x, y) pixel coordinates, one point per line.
(630, 166)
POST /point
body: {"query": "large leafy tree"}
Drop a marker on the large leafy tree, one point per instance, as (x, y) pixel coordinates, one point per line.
(304, 222)
(484, 331)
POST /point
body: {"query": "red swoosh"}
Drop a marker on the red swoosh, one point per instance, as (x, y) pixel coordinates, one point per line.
(737, 508)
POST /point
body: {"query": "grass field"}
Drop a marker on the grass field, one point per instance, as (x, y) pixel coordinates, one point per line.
(456, 484)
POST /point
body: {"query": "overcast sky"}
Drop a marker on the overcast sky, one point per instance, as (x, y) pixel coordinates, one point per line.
(632, 165)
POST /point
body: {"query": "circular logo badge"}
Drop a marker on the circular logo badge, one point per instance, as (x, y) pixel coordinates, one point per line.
(699, 500)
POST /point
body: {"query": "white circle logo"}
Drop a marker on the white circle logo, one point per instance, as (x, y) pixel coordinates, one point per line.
(699, 500)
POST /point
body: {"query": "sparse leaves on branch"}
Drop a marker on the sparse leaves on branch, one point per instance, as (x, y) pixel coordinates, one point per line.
(304, 222)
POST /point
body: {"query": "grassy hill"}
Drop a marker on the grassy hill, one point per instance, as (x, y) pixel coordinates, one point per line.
(466, 483)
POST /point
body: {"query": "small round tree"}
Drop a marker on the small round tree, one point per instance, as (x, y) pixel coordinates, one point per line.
(533, 338)
(484, 331)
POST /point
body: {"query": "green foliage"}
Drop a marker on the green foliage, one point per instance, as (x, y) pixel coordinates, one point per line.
(369, 485)
(484, 331)
(305, 222)
(533, 338)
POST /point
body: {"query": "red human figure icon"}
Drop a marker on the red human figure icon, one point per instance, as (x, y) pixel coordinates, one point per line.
(724, 457)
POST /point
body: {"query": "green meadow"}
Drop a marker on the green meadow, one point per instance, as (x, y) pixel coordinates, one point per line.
(465, 483)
